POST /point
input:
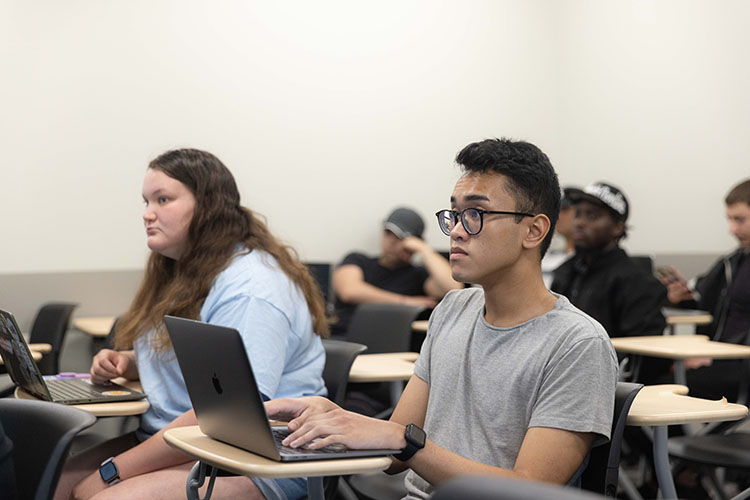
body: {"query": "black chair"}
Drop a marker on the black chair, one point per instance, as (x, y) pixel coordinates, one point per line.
(50, 325)
(109, 340)
(501, 488)
(339, 358)
(41, 433)
(321, 271)
(383, 327)
(601, 475)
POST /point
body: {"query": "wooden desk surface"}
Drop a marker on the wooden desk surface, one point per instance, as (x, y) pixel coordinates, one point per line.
(40, 347)
(669, 405)
(680, 347)
(193, 442)
(420, 326)
(36, 356)
(676, 316)
(383, 367)
(115, 409)
(96, 326)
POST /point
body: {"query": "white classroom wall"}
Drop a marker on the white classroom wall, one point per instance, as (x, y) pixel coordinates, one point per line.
(331, 113)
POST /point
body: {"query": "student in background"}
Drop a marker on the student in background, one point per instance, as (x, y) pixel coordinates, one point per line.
(391, 278)
(512, 379)
(602, 280)
(557, 254)
(214, 260)
(724, 291)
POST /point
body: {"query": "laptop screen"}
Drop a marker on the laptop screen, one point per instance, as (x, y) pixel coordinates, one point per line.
(17, 358)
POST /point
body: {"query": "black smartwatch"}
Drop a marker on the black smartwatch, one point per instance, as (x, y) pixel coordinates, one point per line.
(415, 438)
(108, 471)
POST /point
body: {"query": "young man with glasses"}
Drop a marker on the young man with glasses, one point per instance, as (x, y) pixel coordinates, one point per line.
(512, 379)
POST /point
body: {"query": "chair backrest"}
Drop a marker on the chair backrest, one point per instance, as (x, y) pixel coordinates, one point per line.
(503, 488)
(604, 461)
(41, 433)
(109, 341)
(50, 325)
(321, 271)
(339, 358)
(383, 327)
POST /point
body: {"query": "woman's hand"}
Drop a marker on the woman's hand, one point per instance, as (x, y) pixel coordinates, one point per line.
(109, 364)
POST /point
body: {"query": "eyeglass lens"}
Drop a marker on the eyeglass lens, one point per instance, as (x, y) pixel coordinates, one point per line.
(471, 219)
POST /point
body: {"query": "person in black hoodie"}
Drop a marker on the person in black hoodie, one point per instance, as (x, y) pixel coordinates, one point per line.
(724, 291)
(603, 281)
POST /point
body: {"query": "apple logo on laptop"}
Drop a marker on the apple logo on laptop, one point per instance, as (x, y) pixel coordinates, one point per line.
(217, 384)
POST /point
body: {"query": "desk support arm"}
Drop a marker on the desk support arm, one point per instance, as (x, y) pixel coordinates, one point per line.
(196, 478)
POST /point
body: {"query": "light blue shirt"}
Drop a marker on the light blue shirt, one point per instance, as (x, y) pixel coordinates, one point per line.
(254, 296)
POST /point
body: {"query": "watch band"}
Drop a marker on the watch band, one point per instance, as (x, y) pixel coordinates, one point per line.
(415, 439)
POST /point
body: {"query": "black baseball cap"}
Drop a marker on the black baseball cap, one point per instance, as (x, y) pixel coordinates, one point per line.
(602, 194)
(404, 222)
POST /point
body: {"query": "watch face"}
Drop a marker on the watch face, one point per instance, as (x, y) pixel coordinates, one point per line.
(416, 435)
(108, 471)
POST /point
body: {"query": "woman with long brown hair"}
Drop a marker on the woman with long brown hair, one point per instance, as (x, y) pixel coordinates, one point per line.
(215, 261)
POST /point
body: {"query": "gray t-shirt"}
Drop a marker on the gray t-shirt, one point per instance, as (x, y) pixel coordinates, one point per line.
(488, 385)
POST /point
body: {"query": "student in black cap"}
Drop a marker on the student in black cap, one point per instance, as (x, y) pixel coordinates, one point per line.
(602, 281)
(391, 278)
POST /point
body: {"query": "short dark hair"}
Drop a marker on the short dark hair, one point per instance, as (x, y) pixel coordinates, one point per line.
(532, 181)
(739, 193)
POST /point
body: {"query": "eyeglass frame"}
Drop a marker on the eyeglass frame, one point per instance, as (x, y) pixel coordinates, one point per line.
(460, 215)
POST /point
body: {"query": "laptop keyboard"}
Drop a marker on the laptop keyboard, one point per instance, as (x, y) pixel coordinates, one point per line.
(62, 390)
(280, 433)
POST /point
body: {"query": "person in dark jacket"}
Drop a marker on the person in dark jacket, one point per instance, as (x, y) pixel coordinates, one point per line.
(724, 291)
(603, 281)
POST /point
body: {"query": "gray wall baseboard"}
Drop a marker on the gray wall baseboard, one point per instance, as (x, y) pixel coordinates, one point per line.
(109, 293)
(98, 293)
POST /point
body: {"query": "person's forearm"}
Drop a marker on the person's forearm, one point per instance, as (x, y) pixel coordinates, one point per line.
(154, 453)
(439, 269)
(362, 293)
(437, 465)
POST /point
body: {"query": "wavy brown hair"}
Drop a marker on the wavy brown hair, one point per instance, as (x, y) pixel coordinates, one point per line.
(219, 225)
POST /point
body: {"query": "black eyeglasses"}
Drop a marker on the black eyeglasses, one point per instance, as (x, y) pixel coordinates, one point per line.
(471, 218)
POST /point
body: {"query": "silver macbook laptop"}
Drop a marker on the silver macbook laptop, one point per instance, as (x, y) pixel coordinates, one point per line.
(225, 396)
(25, 374)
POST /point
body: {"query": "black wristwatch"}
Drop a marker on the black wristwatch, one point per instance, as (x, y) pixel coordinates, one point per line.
(108, 471)
(415, 438)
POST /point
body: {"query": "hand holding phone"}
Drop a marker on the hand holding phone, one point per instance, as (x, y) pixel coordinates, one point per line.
(677, 288)
(668, 274)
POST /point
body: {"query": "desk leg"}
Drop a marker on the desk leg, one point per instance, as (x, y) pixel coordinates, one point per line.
(680, 374)
(315, 490)
(661, 463)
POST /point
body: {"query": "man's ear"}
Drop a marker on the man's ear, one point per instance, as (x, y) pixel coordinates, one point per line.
(538, 227)
(618, 229)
